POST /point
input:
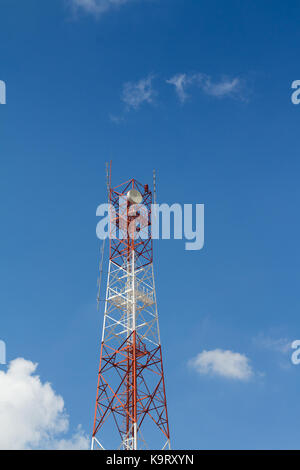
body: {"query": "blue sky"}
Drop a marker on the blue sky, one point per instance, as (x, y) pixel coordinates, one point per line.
(86, 85)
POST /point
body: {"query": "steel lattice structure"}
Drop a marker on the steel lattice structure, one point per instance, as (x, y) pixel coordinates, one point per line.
(131, 389)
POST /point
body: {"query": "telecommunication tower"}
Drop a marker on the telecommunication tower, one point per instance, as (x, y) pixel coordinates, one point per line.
(131, 407)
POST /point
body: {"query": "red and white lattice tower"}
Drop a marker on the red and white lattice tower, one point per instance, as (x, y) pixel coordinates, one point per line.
(131, 408)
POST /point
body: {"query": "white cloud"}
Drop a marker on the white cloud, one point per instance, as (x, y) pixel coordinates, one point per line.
(32, 415)
(79, 441)
(281, 345)
(181, 81)
(116, 119)
(136, 93)
(225, 87)
(222, 363)
(97, 7)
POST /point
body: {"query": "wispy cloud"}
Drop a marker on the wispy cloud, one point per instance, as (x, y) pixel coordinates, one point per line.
(116, 119)
(181, 82)
(32, 414)
(281, 345)
(280, 348)
(97, 7)
(226, 87)
(227, 364)
(136, 93)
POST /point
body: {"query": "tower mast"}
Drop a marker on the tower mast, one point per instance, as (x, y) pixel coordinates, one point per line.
(131, 397)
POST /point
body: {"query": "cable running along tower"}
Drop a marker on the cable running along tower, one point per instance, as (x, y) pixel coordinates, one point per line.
(131, 407)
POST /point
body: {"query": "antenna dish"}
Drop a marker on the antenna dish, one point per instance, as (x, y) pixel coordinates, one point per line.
(134, 196)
